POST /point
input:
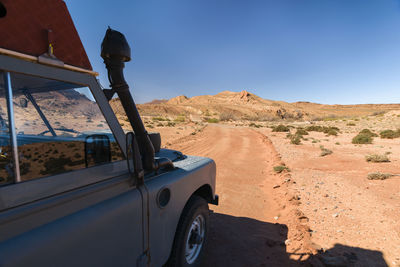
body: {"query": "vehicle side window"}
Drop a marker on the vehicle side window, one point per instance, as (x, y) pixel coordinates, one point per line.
(59, 128)
(6, 158)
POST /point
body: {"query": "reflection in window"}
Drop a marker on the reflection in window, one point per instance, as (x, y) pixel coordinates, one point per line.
(53, 122)
(6, 160)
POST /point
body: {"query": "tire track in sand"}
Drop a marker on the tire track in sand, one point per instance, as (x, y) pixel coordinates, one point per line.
(254, 219)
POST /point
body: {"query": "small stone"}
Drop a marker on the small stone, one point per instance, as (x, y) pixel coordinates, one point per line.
(335, 215)
(276, 217)
(276, 186)
(287, 242)
(326, 195)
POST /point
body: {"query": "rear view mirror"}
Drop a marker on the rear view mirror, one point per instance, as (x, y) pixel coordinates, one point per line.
(97, 149)
(134, 159)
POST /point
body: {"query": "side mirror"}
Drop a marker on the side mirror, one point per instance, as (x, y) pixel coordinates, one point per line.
(23, 103)
(97, 149)
(134, 159)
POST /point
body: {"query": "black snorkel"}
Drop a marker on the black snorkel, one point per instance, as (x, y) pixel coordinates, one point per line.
(115, 51)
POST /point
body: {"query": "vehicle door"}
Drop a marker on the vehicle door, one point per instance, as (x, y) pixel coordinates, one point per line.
(65, 193)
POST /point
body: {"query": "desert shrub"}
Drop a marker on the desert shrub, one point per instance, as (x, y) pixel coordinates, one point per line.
(250, 118)
(337, 143)
(366, 136)
(378, 113)
(265, 117)
(331, 118)
(379, 176)
(351, 124)
(180, 119)
(281, 128)
(377, 158)
(301, 131)
(325, 151)
(281, 168)
(295, 140)
(227, 116)
(368, 132)
(159, 119)
(212, 120)
(255, 125)
(314, 128)
(390, 134)
(331, 132)
(170, 124)
(315, 118)
(55, 165)
(362, 139)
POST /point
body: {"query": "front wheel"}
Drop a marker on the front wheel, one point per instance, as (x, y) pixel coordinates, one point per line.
(191, 235)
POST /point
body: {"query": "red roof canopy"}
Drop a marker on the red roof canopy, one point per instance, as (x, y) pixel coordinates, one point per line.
(26, 25)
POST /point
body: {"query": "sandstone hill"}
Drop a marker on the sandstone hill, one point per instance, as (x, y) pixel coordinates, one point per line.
(244, 105)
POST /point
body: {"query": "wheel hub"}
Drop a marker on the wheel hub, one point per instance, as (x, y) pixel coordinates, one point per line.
(194, 242)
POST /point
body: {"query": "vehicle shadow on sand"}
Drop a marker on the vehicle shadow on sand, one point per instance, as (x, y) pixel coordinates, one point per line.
(240, 241)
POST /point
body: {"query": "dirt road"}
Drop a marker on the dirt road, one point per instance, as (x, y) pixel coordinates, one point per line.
(256, 223)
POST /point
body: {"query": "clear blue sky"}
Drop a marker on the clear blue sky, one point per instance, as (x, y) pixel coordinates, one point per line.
(337, 51)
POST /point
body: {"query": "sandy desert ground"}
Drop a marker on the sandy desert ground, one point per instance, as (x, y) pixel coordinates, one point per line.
(323, 212)
(293, 186)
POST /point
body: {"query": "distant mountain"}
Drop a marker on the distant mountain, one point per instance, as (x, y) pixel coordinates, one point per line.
(157, 101)
(247, 106)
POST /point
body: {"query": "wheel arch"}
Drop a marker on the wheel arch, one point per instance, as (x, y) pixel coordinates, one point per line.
(205, 191)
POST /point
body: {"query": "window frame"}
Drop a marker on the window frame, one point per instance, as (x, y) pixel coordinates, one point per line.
(19, 193)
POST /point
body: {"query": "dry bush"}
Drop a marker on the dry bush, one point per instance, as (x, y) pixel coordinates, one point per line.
(281, 168)
(281, 128)
(362, 139)
(366, 136)
(250, 118)
(160, 119)
(267, 118)
(301, 131)
(331, 130)
(390, 134)
(212, 120)
(377, 158)
(379, 176)
(295, 140)
(378, 113)
(316, 118)
(325, 151)
(227, 116)
(368, 132)
(255, 125)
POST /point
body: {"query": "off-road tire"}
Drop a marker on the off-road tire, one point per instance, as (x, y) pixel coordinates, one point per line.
(196, 206)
